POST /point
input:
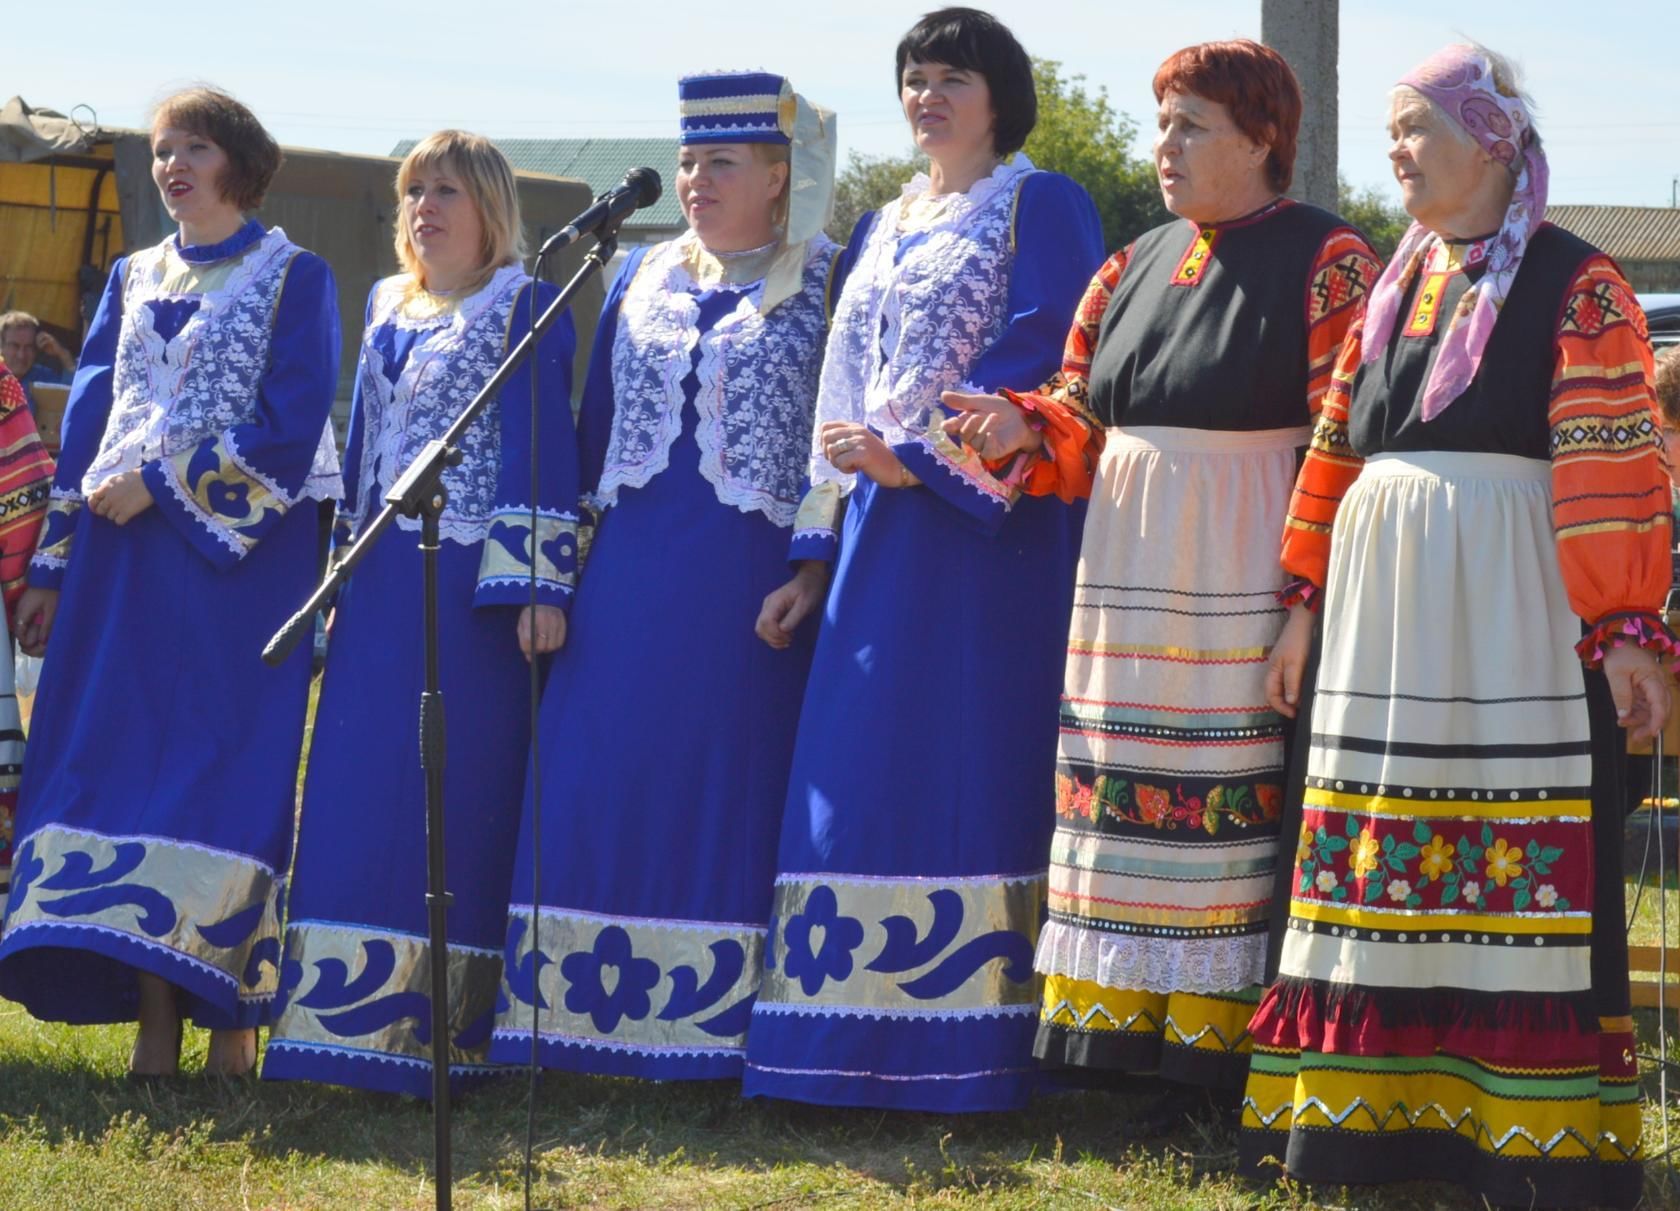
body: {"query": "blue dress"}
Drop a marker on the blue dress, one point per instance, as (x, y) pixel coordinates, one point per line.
(355, 992)
(155, 814)
(667, 725)
(912, 860)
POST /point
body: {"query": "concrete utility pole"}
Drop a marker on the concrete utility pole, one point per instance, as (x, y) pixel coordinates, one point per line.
(1306, 33)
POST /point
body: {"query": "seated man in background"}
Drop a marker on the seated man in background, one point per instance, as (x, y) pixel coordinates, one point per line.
(32, 353)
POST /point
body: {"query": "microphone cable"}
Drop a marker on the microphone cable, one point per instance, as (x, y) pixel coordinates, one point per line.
(535, 687)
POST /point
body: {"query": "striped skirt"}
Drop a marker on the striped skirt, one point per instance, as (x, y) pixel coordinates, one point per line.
(1452, 996)
(1170, 766)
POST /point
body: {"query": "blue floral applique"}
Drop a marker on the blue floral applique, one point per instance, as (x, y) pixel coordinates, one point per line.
(832, 958)
(633, 979)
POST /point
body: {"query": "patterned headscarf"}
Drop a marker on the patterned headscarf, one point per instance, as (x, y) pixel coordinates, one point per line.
(1460, 80)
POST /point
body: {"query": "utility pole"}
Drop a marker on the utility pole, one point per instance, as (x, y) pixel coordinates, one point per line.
(1307, 34)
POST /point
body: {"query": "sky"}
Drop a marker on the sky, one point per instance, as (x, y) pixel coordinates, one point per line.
(357, 75)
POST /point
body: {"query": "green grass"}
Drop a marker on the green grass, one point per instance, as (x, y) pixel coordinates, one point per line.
(74, 1134)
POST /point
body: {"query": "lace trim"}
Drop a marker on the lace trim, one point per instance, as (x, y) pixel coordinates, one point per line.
(868, 1011)
(168, 396)
(171, 476)
(757, 381)
(907, 329)
(523, 1035)
(1162, 965)
(446, 367)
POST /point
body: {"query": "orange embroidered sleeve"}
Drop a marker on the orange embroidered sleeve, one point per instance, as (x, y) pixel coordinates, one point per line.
(1073, 437)
(1610, 493)
(26, 471)
(1328, 472)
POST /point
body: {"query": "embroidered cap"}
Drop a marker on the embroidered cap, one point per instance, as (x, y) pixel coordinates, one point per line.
(736, 107)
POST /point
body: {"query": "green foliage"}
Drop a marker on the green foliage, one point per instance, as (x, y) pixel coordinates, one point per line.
(1382, 221)
(1079, 133)
(869, 183)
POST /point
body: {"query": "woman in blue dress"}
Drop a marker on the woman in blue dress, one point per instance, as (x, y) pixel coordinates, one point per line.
(911, 873)
(666, 729)
(155, 815)
(355, 1000)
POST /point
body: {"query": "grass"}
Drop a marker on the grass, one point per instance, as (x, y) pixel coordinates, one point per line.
(74, 1134)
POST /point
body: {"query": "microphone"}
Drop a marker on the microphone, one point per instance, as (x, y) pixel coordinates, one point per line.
(640, 187)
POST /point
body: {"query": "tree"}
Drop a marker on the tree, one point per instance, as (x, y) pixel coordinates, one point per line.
(1081, 135)
(1078, 133)
(1381, 220)
(869, 183)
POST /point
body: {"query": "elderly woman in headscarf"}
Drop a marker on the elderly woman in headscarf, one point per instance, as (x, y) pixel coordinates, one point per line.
(1484, 516)
(666, 729)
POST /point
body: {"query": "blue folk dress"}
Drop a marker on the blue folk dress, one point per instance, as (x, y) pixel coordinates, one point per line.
(155, 816)
(911, 872)
(355, 990)
(667, 726)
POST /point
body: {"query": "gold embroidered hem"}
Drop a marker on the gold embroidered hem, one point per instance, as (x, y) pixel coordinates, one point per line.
(207, 920)
(903, 947)
(639, 996)
(354, 999)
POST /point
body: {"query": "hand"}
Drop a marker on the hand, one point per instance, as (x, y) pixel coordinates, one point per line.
(992, 426)
(121, 498)
(36, 610)
(852, 447)
(1289, 661)
(790, 605)
(47, 345)
(543, 631)
(1639, 689)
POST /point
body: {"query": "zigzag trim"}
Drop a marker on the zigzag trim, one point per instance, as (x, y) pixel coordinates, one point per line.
(1484, 1138)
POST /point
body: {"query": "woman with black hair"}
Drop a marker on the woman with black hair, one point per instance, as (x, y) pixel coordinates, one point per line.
(898, 967)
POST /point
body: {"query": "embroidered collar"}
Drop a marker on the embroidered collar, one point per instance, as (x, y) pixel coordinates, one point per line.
(919, 208)
(205, 254)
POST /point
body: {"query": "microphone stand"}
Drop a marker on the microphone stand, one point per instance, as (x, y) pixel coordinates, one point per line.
(419, 492)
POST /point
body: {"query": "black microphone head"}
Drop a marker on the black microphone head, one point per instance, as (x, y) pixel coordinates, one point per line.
(646, 184)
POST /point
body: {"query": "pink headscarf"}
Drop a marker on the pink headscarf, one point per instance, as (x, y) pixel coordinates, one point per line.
(1460, 80)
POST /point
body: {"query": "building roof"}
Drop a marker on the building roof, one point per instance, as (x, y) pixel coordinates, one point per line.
(1628, 233)
(601, 163)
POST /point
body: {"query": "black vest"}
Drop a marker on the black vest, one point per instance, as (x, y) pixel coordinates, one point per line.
(1228, 352)
(1504, 409)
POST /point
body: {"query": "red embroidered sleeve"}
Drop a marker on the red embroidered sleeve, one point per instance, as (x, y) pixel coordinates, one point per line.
(1342, 275)
(26, 471)
(1610, 494)
(1073, 437)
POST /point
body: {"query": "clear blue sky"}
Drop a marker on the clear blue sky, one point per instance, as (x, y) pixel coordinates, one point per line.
(357, 76)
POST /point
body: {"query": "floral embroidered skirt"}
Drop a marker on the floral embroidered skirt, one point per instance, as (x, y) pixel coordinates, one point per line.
(1170, 766)
(1452, 997)
(910, 874)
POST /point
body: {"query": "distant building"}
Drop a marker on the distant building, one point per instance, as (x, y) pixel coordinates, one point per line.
(601, 163)
(1644, 240)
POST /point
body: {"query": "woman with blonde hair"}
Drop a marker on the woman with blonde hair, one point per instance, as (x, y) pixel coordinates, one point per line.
(155, 818)
(665, 734)
(354, 997)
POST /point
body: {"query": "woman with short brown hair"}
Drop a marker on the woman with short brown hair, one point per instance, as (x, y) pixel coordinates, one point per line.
(155, 816)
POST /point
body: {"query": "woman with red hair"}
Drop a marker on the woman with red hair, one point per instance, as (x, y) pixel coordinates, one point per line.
(1189, 383)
